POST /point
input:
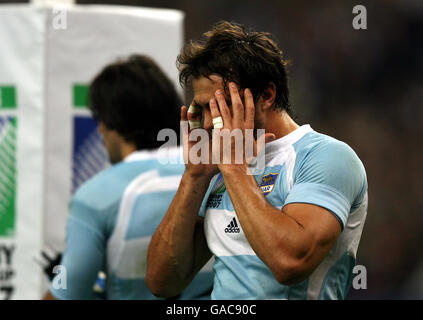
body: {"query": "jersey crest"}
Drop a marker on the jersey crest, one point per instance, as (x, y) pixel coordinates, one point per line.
(268, 183)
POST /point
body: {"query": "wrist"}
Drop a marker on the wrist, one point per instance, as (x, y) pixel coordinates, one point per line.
(233, 169)
(197, 178)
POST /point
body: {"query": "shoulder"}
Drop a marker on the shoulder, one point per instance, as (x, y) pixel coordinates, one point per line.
(315, 142)
(325, 152)
(327, 173)
(325, 161)
(106, 188)
(96, 203)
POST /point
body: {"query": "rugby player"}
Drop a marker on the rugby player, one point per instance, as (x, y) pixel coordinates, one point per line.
(290, 232)
(113, 215)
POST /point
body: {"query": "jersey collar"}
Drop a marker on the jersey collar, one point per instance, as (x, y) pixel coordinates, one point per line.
(288, 140)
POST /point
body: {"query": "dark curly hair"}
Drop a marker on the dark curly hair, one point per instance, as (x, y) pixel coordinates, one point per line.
(250, 59)
(135, 98)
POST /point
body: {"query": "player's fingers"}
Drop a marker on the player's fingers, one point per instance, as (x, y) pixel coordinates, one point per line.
(223, 108)
(194, 110)
(184, 113)
(185, 133)
(249, 109)
(184, 126)
(237, 105)
(194, 115)
(214, 109)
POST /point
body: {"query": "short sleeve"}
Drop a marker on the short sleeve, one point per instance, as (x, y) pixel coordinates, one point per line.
(331, 176)
(84, 255)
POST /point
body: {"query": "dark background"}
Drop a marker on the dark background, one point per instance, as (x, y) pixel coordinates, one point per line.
(364, 87)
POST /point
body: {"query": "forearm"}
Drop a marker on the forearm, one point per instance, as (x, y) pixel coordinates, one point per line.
(278, 240)
(177, 247)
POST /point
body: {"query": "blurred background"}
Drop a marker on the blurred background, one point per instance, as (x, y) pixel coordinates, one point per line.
(364, 87)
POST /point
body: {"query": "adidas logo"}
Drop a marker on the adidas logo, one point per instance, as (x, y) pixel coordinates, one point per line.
(232, 227)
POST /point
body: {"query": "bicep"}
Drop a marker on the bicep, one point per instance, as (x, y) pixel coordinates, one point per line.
(319, 231)
(331, 177)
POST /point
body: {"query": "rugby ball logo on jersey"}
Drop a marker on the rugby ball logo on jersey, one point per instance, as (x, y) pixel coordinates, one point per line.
(267, 183)
(219, 186)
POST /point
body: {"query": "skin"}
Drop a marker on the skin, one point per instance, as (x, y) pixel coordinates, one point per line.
(118, 149)
(291, 241)
(116, 145)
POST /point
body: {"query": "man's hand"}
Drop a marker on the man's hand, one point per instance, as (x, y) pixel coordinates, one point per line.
(239, 126)
(205, 170)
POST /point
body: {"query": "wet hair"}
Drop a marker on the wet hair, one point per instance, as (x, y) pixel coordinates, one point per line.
(135, 98)
(251, 59)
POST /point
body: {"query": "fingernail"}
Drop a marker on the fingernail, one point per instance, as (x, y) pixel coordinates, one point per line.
(232, 85)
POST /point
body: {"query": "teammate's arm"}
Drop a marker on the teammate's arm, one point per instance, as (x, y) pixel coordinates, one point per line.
(84, 255)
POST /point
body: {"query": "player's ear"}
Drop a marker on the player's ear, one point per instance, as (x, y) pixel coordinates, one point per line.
(268, 96)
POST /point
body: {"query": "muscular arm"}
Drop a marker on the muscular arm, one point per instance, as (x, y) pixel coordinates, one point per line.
(178, 248)
(291, 242)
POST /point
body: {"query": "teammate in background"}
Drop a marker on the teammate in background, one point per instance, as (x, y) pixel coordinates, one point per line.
(291, 232)
(113, 215)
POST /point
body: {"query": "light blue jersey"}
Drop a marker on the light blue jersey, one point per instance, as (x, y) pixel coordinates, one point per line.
(302, 167)
(112, 218)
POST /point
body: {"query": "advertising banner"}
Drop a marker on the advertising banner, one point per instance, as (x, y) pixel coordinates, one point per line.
(22, 111)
